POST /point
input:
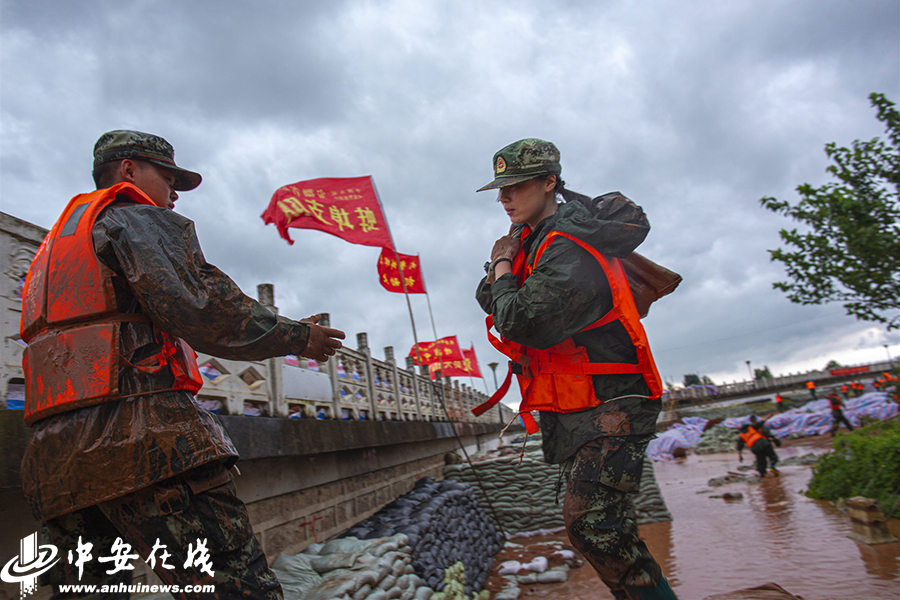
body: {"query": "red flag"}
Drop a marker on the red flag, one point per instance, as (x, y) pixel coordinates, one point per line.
(348, 208)
(467, 367)
(445, 349)
(389, 273)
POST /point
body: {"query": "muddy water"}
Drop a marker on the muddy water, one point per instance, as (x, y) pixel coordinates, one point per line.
(773, 534)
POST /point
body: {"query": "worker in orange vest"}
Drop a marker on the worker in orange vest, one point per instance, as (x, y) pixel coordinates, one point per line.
(845, 391)
(120, 452)
(837, 414)
(892, 386)
(759, 439)
(811, 386)
(559, 297)
(779, 403)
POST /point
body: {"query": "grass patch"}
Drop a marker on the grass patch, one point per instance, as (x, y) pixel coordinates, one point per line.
(865, 462)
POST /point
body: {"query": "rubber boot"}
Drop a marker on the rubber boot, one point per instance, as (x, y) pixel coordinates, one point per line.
(662, 591)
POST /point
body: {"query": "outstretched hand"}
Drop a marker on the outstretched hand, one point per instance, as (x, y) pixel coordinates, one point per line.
(323, 341)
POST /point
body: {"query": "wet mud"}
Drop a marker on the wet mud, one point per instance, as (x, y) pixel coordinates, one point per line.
(714, 545)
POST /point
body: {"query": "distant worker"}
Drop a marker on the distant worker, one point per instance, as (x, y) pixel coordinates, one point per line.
(837, 413)
(857, 388)
(779, 403)
(811, 386)
(845, 391)
(759, 439)
(892, 386)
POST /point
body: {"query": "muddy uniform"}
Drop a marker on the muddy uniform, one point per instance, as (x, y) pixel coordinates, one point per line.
(154, 468)
(762, 448)
(837, 413)
(601, 448)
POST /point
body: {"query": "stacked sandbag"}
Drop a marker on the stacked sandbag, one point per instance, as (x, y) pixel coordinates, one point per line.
(649, 505)
(717, 438)
(716, 412)
(444, 524)
(523, 497)
(352, 569)
(455, 585)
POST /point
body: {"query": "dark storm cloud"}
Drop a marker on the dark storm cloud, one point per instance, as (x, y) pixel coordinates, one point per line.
(694, 110)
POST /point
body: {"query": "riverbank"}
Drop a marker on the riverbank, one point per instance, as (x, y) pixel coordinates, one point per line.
(771, 533)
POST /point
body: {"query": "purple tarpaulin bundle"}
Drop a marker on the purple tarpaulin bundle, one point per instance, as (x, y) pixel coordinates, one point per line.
(681, 435)
(813, 418)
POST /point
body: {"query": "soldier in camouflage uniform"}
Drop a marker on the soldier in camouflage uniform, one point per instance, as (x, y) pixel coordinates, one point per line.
(601, 449)
(154, 468)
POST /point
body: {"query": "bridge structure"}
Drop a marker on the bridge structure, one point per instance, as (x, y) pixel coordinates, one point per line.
(796, 382)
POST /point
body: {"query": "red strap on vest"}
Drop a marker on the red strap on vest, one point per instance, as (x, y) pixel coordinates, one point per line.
(495, 398)
(529, 423)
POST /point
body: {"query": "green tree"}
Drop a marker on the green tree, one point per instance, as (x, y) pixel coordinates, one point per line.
(691, 379)
(763, 373)
(851, 251)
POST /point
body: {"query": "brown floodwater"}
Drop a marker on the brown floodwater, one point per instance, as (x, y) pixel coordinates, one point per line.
(773, 534)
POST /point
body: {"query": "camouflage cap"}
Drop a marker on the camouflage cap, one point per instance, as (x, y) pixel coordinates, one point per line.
(137, 145)
(524, 160)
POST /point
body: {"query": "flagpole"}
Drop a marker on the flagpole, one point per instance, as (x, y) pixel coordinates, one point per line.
(472, 379)
(403, 281)
(430, 313)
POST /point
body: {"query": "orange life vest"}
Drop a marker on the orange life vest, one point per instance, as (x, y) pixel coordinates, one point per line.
(558, 379)
(810, 385)
(751, 436)
(834, 401)
(71, 322)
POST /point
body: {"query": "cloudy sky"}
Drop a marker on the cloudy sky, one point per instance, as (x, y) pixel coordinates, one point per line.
(695, 110)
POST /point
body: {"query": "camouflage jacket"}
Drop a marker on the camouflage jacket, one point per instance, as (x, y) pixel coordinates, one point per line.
(82, 457)
(566, 292)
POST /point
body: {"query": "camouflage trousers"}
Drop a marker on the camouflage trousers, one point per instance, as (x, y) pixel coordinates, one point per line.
(765, 455)
(599, 514)
(188, 537)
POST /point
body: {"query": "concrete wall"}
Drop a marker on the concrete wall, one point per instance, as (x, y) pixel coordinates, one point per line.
(306, 480)
(19, 241)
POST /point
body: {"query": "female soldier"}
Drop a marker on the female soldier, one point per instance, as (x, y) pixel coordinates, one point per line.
(559, 297)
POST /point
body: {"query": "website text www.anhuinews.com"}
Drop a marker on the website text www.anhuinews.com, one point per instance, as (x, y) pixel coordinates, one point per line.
(136, 588)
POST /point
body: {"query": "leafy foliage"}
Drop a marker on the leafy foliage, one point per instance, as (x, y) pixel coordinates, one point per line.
(851, 252)
(866, 462)
(694, 379)
(763, 373)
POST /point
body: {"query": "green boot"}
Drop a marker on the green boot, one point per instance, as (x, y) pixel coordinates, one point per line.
(662, 591)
